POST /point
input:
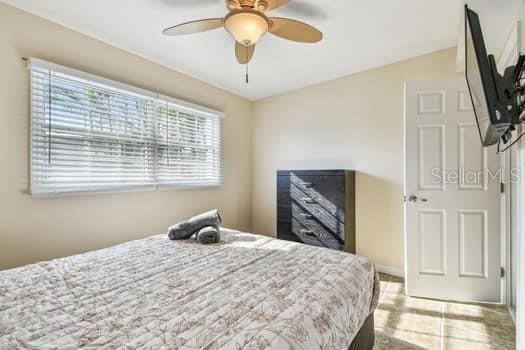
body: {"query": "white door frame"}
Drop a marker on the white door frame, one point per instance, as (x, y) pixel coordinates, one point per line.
(512, 49)
(520, 304)
(508, 58)
(520, 251)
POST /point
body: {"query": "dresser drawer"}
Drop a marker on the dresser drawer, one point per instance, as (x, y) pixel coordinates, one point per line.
(309, 233)
(317, 215)
(330, 186)
(285, 231)
(327, 191)
(313, 203)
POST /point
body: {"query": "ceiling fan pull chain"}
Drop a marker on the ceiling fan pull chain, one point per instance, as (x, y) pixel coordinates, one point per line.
(247, 72)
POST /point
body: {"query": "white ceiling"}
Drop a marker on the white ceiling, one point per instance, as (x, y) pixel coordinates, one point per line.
(359, 35)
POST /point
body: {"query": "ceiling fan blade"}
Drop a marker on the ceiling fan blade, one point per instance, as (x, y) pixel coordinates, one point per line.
(243, 53)
(202, 25)
(273, 4)
(294, 30)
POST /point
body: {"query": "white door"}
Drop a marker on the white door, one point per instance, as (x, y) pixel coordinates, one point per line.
(452, 208)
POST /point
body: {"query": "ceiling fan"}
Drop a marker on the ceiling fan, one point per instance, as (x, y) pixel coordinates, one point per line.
(247, 22)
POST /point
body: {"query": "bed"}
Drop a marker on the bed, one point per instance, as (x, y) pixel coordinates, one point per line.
(247, 292)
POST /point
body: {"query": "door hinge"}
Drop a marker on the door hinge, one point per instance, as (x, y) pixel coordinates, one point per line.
(502, 272)
(502, 187)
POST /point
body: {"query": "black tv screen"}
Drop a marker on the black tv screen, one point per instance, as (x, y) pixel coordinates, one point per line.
(492, 124)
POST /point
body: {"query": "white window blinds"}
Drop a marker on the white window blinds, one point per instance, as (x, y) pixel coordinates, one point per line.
(90, 134)
(188, 146)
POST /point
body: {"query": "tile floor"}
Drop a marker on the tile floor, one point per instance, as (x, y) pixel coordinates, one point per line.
(407, 323)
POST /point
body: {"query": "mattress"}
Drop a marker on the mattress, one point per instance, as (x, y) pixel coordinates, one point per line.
(247, 292)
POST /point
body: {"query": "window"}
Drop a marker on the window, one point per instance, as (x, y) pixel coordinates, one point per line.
(188, 147)
(90, 134)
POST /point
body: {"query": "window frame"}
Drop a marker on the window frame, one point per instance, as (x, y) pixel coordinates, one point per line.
(188, 108)
(157, 99)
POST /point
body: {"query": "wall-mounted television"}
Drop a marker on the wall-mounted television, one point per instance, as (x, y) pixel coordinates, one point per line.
(494, 97)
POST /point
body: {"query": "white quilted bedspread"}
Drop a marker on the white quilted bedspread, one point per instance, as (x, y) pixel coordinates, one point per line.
(248, 292)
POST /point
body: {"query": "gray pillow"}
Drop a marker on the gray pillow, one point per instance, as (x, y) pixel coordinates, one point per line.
(209, 235)
(186, 229)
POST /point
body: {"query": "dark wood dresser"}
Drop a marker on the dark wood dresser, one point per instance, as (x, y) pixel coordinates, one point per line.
(317, 207)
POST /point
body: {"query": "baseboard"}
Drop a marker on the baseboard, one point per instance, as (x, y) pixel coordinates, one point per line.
(389, 270)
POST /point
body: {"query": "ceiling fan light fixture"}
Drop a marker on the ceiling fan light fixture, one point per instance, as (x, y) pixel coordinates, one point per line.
(247, 26)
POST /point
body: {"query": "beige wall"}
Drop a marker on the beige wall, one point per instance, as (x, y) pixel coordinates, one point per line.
(355, 122)
(33, 229)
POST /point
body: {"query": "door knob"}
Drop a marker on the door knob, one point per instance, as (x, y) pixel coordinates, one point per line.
(414, 199)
